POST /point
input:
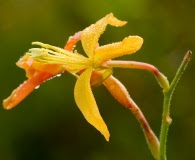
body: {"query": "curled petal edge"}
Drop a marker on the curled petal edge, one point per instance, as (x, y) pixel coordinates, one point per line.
(91, 34)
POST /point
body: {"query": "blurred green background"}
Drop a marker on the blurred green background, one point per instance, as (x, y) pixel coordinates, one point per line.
(47, 125)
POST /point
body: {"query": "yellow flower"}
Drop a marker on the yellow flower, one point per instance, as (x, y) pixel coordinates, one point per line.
(43, 63)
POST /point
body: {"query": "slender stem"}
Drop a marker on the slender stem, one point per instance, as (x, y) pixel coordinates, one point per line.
(162, 80)
(167, 90)
(119, 92)
(152, 140)
(182, 67)
(166, 120)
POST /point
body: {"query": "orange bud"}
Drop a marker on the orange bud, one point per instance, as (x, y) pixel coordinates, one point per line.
(118, 91)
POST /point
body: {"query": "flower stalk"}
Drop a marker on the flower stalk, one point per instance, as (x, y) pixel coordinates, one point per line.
(159, 152)
(166, 120)
(119, 92)
(162, 80)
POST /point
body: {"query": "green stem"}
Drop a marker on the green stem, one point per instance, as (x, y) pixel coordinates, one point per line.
(152, 140)
(166, 120)
(167, 90)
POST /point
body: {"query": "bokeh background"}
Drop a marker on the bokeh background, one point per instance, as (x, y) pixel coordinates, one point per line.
(47, 125)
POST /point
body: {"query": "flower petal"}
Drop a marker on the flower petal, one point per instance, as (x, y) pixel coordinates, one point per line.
(129, 45)
(91, 34)
(24, 90)
(86, 102)
(69, 46)
(37, 73)
(33, 67)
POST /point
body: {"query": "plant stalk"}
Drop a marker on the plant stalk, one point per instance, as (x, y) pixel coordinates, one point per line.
(166, 120)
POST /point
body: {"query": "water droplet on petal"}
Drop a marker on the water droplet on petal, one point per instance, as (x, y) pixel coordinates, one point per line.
(37, 87)
(15, 95)
(58, 75)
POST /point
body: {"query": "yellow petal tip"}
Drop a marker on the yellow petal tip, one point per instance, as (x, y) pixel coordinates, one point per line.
(107, 137)
(112, 20)
(86, 103)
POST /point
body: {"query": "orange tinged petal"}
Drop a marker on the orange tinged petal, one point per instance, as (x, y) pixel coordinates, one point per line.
(91, 34)
(86, 102)
(129, 45)
(72, 41)
(37, 73)
(33, 67)
(24, 90)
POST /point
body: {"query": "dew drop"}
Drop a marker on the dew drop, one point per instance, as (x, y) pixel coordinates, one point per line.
(58, 75)
(37, 87)
(15, 95)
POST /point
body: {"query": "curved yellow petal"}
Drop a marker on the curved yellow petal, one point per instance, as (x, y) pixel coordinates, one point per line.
(91, 34)
(86, 102)
(129, 45)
